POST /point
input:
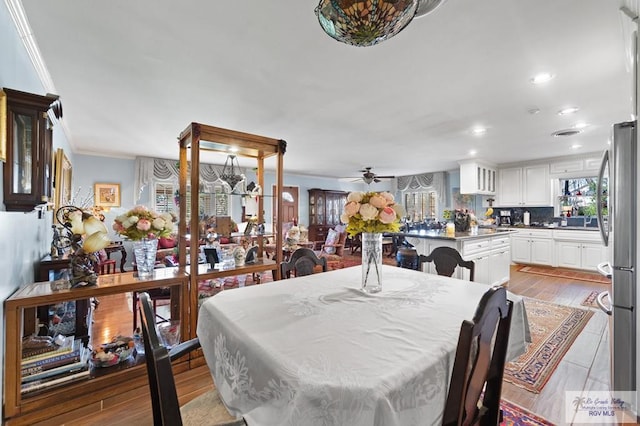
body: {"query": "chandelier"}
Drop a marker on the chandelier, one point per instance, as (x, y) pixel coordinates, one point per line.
(369, 22)
(229, 174)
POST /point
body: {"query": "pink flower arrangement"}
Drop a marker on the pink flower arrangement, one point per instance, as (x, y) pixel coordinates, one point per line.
(371, 212)
(140, 222)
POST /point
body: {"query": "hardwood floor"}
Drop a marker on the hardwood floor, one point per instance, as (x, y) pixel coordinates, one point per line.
(585, 366)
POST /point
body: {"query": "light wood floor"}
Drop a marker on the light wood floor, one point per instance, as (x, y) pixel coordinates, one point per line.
(585, 366)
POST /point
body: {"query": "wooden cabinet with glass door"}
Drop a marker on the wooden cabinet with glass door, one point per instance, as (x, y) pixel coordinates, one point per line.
(325, 208)
(27, 170)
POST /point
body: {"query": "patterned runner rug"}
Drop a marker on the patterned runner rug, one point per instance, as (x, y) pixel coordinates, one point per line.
(566, 273)
(554, 328)
(590, 300)
(514, 415)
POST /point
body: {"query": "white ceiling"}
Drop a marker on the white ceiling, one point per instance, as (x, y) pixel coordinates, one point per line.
(133, 74)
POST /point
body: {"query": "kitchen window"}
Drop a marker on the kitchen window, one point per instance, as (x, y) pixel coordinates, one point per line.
(577, 197)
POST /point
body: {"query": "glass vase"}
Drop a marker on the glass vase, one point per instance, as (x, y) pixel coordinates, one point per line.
(371, 262)
(144, 252)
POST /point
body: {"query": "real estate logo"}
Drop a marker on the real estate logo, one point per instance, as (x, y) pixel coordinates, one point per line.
(599, 407)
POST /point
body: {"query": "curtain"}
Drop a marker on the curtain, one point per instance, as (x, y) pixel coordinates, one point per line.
(150, 170)
(425, 181)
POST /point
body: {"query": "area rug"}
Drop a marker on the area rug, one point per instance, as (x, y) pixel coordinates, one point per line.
(566, 273)
(514, 415)
(554, 328)
(590, 300)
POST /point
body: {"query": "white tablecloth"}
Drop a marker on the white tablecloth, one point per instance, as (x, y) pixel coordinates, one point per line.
(315, 350)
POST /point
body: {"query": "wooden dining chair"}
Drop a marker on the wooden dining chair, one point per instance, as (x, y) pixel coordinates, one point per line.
(206, 409)
(446, 259)
(302, 262)
(478, 363)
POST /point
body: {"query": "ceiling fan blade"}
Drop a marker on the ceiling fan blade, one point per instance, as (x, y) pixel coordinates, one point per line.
(385, 177)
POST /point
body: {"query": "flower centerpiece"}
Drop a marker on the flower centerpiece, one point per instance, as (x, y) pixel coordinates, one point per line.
(144, 227)
(370, 214)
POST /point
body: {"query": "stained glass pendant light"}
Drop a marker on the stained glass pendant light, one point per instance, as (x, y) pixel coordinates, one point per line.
(369, 22)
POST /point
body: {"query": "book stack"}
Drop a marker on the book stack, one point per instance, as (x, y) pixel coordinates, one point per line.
(65, 362)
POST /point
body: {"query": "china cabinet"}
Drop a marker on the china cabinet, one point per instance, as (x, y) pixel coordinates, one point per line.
(325, 208)
(27, 170)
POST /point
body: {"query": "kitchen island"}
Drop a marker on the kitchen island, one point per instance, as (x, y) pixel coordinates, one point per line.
(489, 249)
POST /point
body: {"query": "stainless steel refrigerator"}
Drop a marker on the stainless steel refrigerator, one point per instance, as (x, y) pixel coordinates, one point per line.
(619, 233)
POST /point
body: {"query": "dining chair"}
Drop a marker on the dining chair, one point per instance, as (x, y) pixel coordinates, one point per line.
(478, 363)
(206, 409)
(302, 262)
(446, 259)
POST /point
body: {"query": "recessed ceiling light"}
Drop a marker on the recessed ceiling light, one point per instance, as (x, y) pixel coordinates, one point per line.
(234, 149)
(580, 125)
(566, 132)
(576, 146)
(541, 78)
(479, 130)
(473, 152)
(568, 110)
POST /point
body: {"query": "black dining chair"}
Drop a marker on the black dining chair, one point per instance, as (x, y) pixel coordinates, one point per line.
(206, 409)
(446, 259)
(302, 262)
(477, 363)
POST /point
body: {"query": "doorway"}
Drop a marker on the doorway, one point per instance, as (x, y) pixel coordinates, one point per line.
(289, 205)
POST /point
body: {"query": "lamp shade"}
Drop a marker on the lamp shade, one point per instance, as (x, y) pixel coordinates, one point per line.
(365, 22)
(93, 225)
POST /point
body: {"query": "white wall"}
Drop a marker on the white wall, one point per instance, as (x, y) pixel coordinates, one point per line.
(25, 237)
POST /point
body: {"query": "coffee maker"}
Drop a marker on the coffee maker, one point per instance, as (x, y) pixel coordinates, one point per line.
(505, 218)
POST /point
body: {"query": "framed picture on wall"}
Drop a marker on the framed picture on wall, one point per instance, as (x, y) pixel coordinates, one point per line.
(62, 179)
(106, 194)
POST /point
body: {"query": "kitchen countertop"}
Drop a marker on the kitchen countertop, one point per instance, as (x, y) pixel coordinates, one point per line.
(569, 228)
(438, 234)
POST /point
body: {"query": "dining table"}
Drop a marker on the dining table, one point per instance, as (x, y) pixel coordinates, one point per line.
(316, 350)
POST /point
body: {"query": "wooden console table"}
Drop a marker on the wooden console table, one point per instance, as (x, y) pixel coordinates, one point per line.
(37, 407)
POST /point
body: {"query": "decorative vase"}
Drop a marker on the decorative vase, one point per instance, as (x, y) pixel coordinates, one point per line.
(371, 262)
(144, 251)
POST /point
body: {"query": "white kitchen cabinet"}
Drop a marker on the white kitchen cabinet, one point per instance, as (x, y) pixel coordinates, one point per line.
(532, 246)
(574, 167)
(491, 255)
(524, 186)
(579, 255)
(568, 166)
(477, 178)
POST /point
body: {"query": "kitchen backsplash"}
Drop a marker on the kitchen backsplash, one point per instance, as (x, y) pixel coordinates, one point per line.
(538, 214)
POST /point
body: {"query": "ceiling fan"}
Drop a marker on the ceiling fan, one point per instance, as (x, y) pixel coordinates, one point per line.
(368, 176)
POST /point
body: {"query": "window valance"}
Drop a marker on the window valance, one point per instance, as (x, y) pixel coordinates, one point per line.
(148, 170)
(426, 181)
